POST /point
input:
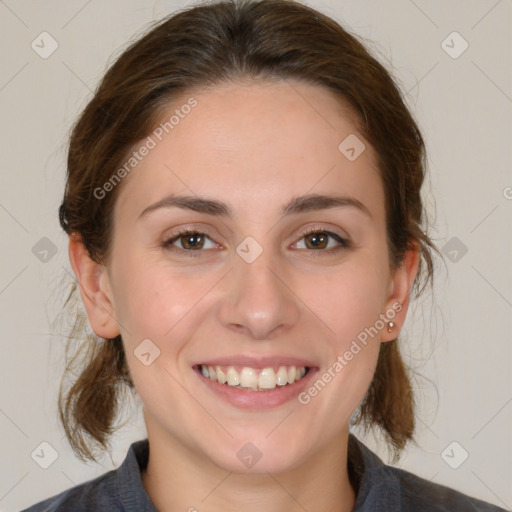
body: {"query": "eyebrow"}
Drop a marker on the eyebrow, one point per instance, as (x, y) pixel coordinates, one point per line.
(300, 204)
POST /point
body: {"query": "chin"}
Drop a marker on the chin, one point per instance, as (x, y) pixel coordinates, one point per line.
(259, 454)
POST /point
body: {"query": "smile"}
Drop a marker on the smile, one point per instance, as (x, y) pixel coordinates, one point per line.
(252, 379)
(255, 382)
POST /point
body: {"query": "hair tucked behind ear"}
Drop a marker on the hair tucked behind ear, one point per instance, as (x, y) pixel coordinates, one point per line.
(89, 406)
(389, 402)
(215, 43)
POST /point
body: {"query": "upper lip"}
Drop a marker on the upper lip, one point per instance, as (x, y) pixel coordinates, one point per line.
(257, 362)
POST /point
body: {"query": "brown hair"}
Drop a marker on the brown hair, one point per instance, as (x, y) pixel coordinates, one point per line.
(207, 45)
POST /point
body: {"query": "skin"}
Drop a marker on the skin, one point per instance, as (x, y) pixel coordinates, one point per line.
(254, 146)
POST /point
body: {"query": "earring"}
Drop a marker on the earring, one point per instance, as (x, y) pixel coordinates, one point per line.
(390, 326)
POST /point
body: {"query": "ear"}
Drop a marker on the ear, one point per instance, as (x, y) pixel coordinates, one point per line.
(95, 289)
(397, 302)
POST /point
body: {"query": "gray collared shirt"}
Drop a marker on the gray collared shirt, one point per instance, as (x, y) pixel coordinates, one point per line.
(380, 488)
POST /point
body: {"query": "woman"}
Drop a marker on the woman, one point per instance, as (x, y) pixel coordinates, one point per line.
(245, 225)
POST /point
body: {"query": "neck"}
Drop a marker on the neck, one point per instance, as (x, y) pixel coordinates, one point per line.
(176, 479)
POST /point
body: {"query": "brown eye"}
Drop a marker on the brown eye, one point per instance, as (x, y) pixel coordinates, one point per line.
(322, 241)
(191, 241)
(318, 240)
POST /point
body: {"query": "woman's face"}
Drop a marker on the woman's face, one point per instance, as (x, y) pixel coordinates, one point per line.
(252, 295)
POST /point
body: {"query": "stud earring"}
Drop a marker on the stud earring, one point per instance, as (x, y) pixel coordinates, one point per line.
(390, 326)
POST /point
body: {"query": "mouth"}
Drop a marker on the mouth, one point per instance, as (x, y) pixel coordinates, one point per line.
(253, 383)
(254, 379)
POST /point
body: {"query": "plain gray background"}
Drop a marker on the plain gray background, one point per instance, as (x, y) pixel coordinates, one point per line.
(459, 341)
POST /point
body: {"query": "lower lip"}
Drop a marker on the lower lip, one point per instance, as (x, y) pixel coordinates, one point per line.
(257, 399)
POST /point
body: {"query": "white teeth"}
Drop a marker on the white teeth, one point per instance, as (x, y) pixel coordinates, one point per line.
(233, 377)
(250, 378)
(212, 372)
(221, 376)
(282, 376)
(267, 379)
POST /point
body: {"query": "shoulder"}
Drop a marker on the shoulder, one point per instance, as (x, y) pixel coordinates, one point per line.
(120, 489)
(417, 494)
(387, 488)
(97, 494)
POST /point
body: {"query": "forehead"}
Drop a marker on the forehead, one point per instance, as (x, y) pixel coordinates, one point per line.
(250, 143)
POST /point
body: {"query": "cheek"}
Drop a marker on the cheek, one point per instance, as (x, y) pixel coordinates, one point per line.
(349, 299)
(350, 303)
(151, 298)
(155, 301)
(350, 306)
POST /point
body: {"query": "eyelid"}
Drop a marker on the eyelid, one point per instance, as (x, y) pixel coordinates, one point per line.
(342, 240)
(189, 228)
(202, 231)
(325, 229)
(188, 231)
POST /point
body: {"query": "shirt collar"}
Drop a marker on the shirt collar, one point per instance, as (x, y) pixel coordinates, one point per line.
(377, 488)
(130, 491)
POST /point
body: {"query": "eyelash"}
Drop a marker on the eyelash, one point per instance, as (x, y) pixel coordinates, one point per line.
(343, 242)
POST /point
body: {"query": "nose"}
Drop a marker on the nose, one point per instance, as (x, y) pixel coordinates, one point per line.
(258, 300)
